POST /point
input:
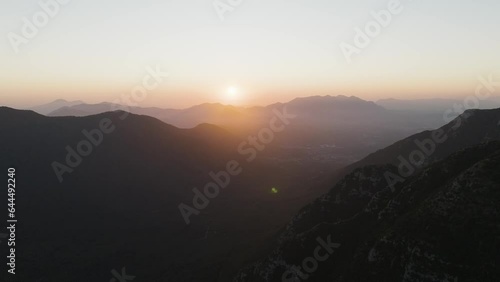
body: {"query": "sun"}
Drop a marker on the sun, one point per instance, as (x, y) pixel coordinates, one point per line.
(232, 95)
(231, 90)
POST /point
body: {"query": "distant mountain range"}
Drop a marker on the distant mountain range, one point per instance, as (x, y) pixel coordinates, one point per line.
(356, 125)
(433, 105)
(317, 107)
(46, 109)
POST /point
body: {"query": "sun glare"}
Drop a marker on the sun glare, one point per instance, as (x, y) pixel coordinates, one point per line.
(233, 95)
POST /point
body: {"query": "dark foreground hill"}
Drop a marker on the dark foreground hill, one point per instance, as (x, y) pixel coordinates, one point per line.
(440, 223)
(117, 205)
(118, 202)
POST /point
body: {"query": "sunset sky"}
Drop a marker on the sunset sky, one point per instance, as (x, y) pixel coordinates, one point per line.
(264, 51)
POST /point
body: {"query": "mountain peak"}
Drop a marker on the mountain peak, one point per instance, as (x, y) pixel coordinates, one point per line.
(325, 98)
(60, 101)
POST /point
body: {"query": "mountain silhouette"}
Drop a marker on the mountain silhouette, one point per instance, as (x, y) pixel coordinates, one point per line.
(438, 224)
(469, 129)
(52, 106)
(121, 201)
(354, 126)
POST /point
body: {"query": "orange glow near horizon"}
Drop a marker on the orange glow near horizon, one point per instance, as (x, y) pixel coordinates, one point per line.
(289, 50)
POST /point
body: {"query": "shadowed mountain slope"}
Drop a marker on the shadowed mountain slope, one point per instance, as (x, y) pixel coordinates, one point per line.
(469, 129)
(118, 205)
(438, 224)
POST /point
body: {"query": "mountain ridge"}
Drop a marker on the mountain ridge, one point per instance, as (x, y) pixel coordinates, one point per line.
(373, 224)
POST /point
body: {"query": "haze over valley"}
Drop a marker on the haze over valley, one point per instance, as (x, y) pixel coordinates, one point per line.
(250, 141)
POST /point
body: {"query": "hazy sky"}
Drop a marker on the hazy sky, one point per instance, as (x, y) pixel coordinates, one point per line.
(264, 50)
